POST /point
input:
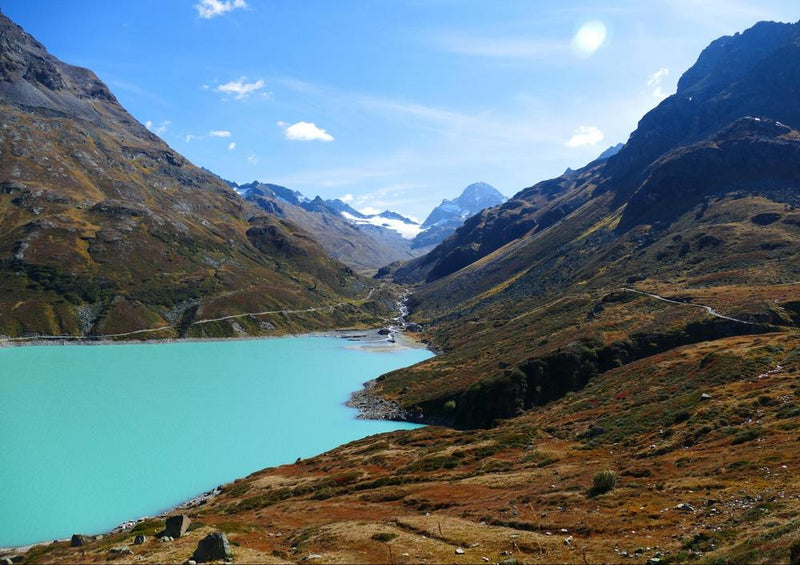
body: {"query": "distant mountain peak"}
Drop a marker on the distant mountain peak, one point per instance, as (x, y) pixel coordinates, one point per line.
(451, 214)
(474, 198)
(610, 152)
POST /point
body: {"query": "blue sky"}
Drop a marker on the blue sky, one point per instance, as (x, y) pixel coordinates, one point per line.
(389, 103)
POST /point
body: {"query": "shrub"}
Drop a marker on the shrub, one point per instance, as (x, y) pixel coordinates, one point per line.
(746, 435)
(603, 482)
(384, 536)
(450, 406)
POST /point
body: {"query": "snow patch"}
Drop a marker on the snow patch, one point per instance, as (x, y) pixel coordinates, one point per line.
(407, 231)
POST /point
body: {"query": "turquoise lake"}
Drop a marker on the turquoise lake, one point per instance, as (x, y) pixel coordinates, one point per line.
(92, 436)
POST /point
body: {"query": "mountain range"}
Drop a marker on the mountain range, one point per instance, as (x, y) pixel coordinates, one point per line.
(368, 242)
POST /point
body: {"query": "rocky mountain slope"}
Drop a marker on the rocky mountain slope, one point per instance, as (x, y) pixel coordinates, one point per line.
(448, 216)
(104, 229)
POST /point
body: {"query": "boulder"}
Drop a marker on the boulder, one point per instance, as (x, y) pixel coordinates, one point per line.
(794, 553)
(384, 331)
(213, 547)
(79, 540)
(139, 540)
(176, 526)
(412, 327)
(120, 550)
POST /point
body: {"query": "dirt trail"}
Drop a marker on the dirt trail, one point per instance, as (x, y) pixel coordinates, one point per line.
(195, 323)
(708, 309)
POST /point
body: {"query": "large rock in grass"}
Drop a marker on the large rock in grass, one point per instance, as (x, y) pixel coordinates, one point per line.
(176, 526)
(213, 547)
(120, 550)
(79, 540)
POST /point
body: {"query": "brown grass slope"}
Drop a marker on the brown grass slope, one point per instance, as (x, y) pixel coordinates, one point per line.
(105, 229)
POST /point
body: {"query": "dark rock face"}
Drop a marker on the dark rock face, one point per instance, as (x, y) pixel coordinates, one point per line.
(213, 547)
(765, 219)
(754, 154)
(139, 540)
(176, 526)
(755, 73)
(539, 380)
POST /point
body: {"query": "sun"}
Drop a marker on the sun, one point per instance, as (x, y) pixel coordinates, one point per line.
(589, 38)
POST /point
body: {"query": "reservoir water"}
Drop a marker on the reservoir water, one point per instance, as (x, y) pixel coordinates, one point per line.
(92, 436)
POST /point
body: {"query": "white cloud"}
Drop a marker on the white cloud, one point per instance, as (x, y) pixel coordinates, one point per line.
(189, 138)
(231, 146)
(160, 129)
(304, 131)
(654, 83)
(219, 133)
(585, 135)
(240, 88)
(208, 9)
(253, 159)
(370, 211)
(589, 38)
(346, 198)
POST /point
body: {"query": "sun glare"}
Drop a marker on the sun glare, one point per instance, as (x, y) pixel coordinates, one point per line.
(589, 38)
